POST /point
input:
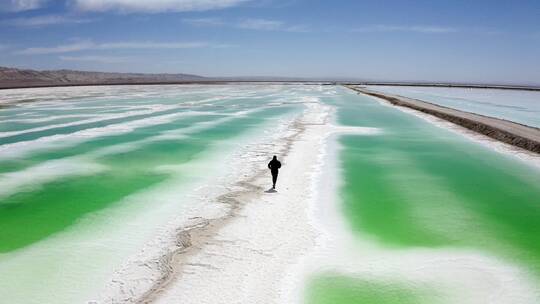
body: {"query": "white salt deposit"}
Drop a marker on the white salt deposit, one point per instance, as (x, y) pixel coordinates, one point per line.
(54, 170)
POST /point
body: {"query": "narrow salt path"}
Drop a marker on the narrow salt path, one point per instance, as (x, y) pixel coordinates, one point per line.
(249, 258)
(231, 263)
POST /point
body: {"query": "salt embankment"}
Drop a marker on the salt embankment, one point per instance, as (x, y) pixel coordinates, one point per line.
(512, 133)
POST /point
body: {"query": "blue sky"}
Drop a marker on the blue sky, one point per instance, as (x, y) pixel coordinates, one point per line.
(464, 41)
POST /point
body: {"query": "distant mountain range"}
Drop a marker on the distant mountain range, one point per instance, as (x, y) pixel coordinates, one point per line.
(25, 78)
(22, 78)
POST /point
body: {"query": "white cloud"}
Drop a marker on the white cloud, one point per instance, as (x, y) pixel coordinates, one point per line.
(248, 24)
(21, 5)
(100, 59)
(43, 21)
(153, 6)
(89, 45)
(150, 45)
(204, 21)
(65, 48)
(399, 28)
(297, 28)
(260, 24)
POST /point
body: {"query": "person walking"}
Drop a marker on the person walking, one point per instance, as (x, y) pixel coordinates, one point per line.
(274, 166)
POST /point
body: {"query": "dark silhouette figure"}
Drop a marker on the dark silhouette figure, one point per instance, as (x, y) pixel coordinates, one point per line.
(274, 166)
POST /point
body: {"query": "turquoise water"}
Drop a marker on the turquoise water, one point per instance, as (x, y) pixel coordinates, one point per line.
(519, 106)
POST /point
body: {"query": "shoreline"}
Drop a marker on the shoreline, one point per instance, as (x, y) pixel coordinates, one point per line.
(515, 134)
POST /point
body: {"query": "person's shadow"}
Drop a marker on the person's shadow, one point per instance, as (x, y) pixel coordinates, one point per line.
(271, 190)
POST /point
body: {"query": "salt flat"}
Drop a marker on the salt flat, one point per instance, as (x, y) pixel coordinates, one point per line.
(136, 194)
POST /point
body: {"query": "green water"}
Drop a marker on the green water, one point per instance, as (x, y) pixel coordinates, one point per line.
(27, 217)
(413, 165)
(411, 186)
(416, 185)
(71, 226)
(331, 289)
